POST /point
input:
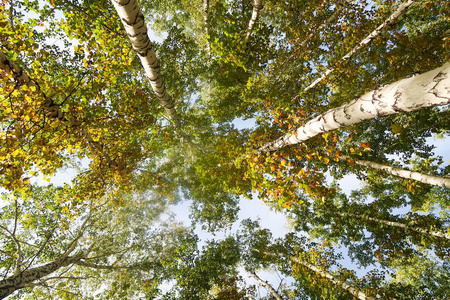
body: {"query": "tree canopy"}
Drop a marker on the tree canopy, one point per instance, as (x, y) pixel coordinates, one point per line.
(141, 102)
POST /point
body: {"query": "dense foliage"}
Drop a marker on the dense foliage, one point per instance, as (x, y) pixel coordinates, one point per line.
(75, 97)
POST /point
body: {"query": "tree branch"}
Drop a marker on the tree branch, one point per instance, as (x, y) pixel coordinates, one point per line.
(267, 286)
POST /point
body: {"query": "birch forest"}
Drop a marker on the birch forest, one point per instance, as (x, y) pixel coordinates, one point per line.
(122, 119)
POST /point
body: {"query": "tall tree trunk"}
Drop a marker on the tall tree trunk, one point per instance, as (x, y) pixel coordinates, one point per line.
(134, 23)
(427, 179)
(205, 17)
(434, 233)
(400, 11)
(16, 282)
(410, 94)
(257, 6)
(348, 287)
(267, 286)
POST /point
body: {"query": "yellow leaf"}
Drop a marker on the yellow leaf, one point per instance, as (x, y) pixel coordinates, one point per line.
(365, 146)
(396, 128)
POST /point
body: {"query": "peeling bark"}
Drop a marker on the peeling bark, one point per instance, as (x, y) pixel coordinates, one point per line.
(26, 277)
(400, 11)
(410, 94)
(257, 6)
(134, 23)
(267, 286)
(427, 179)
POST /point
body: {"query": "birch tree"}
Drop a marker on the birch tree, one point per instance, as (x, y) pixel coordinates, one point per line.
(52, 109)
(268, 286)
(400, 11)
(344, 285)
(338, 10)
(406, 95)
(407, 174)
(52, 245)
(206, 19)
(134, 23)
(257, 6)
(370, 231)
(262, 251)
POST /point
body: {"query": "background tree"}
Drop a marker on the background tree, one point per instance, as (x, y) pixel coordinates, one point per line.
(56, 245)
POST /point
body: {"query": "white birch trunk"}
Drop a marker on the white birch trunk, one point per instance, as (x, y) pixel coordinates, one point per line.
(257, 6)
(400, 11)
(351, 289)
(348, 287)
(410, 94)
(427, 179)
(434, 233)
(205, 17)
(267, 286)
(134, 23)
(11, 284)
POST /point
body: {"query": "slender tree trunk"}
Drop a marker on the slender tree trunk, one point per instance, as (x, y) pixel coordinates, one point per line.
(267, 286)
(434, 233)
(348, 287)
(427, 179)
(205, 17)
(257, 6)
(400, 11)
(16, 282)
(134, 23)
(410, 94)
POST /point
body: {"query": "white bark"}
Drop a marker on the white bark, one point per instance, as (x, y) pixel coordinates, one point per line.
(434, 233)
(11, 284)
(348, 287)
(410, 94)
(351, 289)
(134, 23)
(267, 286)
(428, 179)
(400, 11)
(257, 6)
(205, 17)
